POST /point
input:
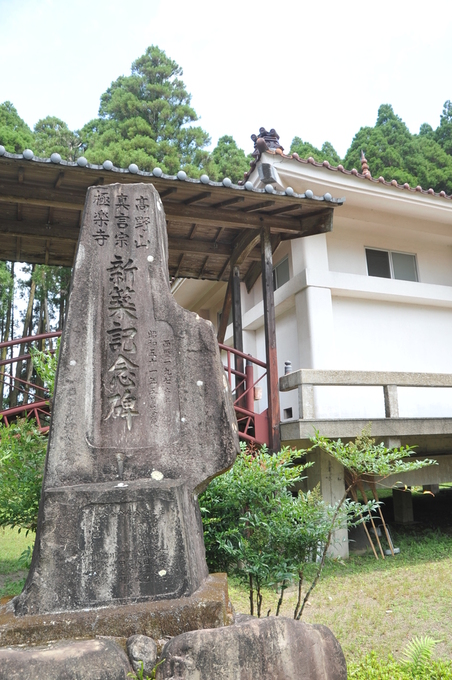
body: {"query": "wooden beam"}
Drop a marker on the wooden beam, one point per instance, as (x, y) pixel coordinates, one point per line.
(20, 175)
(229, 201)
(38, 230)
(225, 312)
(197, 197)
(193, 231)
(284, 209)
(167, 192)
(243, 246)
(257, 206)
(254, 271)
(274, 416)
(219, 232)
(203, 269)
(319, 223)
(205, 215)
(50, 216)
(181, 259)
(197, 246)
(221, 274)
(59, 179)
(19, 212)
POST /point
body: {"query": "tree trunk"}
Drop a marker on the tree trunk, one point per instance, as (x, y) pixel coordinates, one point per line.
(25, 332)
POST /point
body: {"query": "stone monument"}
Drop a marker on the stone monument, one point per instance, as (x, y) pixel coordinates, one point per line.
(143, 420)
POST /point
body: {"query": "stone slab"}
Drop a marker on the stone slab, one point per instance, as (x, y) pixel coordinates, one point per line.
(274, 647)
(209, 607)
(86, 660)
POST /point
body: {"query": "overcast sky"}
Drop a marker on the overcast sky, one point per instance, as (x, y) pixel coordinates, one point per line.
(318, 70)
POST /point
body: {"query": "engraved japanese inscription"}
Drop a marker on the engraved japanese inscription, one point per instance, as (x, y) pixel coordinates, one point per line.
(142, 420)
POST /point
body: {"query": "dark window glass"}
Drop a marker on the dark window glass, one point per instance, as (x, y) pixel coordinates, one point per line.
(378, 263)
(281, 273)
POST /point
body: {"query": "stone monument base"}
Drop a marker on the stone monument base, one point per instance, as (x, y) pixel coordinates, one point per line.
(208, 607)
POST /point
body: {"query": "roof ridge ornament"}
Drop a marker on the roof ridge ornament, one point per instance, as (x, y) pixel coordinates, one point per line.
(264, 141)
(364, 165)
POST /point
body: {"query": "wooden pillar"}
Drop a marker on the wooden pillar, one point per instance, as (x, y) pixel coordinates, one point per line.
(270, 340)
(225, 312)
(237, 327)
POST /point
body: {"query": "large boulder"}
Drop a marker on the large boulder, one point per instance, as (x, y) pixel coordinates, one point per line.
(254, 649)
(83, 660)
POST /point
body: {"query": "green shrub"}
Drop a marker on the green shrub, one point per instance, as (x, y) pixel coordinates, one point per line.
(373, 668)
(257, 529)
(22, 456)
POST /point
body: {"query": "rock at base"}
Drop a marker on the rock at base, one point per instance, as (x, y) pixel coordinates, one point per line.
(85, 660)
(142, 650)
(277, 648)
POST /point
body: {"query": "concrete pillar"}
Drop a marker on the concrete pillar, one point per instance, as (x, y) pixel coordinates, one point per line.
(327, 472)
(403, 506)
(432, 488)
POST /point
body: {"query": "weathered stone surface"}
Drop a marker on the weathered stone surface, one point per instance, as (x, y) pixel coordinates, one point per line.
(209, 607)
(143, 420)
(276, 648)
(142, 650)
(86, 660)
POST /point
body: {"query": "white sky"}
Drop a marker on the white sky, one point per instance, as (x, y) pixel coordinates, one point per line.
(319, 69)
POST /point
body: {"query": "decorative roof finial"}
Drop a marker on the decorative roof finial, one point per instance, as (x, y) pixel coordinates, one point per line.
(265, 141)
(364, 165)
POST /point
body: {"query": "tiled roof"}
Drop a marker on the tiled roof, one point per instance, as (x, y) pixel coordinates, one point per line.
(365, 174)
(133, 169)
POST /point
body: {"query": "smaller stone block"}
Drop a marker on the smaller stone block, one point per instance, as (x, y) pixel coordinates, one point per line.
(142, 650)
(253, 649)
(85, 660)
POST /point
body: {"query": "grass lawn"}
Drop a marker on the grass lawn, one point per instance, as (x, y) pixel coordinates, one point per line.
(368, 604)
(12, 545)
(380, 605)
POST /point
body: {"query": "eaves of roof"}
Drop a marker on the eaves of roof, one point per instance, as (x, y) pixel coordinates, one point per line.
(133, 169)
(340, 168)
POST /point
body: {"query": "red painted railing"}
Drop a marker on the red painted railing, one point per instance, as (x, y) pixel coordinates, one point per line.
(253, 427)
(33, 399)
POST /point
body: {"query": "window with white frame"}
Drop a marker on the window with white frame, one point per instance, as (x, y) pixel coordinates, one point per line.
(390, 264)
(281, 273)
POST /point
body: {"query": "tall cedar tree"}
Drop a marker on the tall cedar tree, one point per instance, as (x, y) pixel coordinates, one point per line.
(145, 119)
(394, 153)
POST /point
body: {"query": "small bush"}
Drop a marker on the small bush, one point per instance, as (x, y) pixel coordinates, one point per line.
(373, 668)
(22, 455)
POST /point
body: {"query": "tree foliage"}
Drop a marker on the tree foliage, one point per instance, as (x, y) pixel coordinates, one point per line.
(227, 160)
(52, 135)
(394, 153)
(146, 118)
(305, 150)
(15, 135)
